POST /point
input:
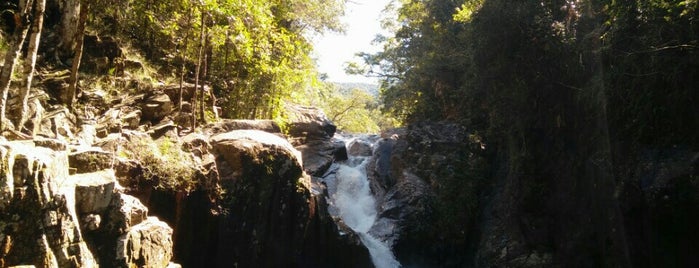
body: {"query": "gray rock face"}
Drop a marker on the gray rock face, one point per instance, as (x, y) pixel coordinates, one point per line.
(425, 187)
(262, 214)
(48, 217)
(361, 147)
(126, 212)
(156, 107)
(37, 209)
(93, 191)
(309, 123)
(147, 244)
(319, 154)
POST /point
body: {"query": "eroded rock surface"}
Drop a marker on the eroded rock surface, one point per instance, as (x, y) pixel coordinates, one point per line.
(53, 219)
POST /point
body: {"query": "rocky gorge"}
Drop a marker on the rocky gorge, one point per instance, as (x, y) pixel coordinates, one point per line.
(245, 199)
(241, 193)
(125, 178)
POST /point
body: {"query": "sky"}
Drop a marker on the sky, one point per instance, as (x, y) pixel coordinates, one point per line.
(362, 23)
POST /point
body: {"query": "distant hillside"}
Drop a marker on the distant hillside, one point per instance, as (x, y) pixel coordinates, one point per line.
(372, 89)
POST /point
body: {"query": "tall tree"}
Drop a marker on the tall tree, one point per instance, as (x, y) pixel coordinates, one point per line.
(20, 33)
(79, 38)
(198, 68)
(30, 61)
(69, 24)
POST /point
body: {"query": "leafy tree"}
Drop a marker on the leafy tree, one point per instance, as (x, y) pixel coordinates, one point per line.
(20, 33)
(30, 61)
(354, 111)
(257, 53)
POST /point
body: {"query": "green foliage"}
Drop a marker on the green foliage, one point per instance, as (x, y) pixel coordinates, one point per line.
(354, 110)
(163, 162)
(502, 66)
(257, 52)
(651, 48)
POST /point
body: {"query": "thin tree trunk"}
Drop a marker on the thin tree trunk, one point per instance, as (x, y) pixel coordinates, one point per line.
(79, 38)
(11, 58)
(196, 75)
(184, 61)
(207, 58)
(70, 22)
(30, 61)
(226, 48)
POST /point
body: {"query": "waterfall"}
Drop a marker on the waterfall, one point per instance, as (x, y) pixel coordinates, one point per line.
(353, 202)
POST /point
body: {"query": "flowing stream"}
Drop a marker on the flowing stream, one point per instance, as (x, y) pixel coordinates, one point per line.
(352, 198)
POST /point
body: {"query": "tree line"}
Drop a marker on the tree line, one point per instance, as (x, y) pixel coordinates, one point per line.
(566, 96)
(255, 54)
(497, 65)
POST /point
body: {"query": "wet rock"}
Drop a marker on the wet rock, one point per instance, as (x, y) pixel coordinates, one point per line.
(318, 155)
(265, 179)
(423, 177)
(361, 146)
(147, 244)
(660, 190)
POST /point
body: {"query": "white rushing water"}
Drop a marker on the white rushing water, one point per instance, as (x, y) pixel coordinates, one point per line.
(356, 206)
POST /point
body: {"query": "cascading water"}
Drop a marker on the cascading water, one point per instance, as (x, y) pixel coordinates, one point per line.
(353, 202)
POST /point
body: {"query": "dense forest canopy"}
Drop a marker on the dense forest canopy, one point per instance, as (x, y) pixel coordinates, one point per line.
(484, 63)
(492, 64)
(523, 119)
(258, 51)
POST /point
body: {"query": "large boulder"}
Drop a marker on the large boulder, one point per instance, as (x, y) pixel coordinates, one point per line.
(147, 244)
(306, 123)
(156, 107)
(318, 155)
(94, 191)
(241, 147)
(126, 212)
(362, 146)
(425, 179)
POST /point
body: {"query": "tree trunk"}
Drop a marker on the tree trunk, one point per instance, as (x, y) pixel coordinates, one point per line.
(11, 57)
(79, 38)
(196, 75)
(184, 60)
(207, 58)
(70, 22)
(30, 61)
